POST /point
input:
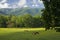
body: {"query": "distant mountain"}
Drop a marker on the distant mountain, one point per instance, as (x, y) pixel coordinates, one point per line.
(20, 11)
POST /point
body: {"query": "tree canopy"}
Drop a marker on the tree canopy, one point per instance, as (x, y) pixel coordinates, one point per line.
(51, 13)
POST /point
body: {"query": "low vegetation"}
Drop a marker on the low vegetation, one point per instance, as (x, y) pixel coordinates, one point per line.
(28, 34)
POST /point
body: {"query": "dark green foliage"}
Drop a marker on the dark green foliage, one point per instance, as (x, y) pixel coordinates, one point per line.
(37, 21)
(26, 20)
(57, 29)
(51, 13)
(3, 21)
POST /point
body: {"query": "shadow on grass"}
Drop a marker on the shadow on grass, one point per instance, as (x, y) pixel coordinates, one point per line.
(29, 36)
(17, 36)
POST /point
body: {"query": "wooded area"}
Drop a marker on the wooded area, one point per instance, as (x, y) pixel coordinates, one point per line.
(21, 21)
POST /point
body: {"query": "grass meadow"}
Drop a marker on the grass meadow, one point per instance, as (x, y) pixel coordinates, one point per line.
(22, 34)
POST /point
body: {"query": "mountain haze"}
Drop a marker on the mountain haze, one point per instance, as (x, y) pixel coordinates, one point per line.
(20, 11)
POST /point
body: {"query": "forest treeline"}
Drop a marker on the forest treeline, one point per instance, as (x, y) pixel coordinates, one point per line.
(27, 20)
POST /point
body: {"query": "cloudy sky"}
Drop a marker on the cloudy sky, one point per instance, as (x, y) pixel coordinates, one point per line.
(20, 3)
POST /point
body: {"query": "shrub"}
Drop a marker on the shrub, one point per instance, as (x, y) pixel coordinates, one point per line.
(57, 29)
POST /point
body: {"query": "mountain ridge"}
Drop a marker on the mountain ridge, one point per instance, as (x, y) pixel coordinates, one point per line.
(20, 11)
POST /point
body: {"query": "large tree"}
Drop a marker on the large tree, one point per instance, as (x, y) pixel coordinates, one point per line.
(51, 13)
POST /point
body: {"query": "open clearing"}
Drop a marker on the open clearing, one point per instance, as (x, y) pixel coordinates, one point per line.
(23, 34)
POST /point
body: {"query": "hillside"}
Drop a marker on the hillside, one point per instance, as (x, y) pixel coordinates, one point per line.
(20, 11)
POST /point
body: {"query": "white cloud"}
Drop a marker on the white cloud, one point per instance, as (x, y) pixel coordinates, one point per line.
(40, 1)
(22, 2)
(33, 5)
(36, 5)
(5, 5)
(3, 1)
(34, 1)
(25, 6)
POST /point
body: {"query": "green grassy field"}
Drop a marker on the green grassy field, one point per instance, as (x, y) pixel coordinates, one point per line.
(22, 34)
